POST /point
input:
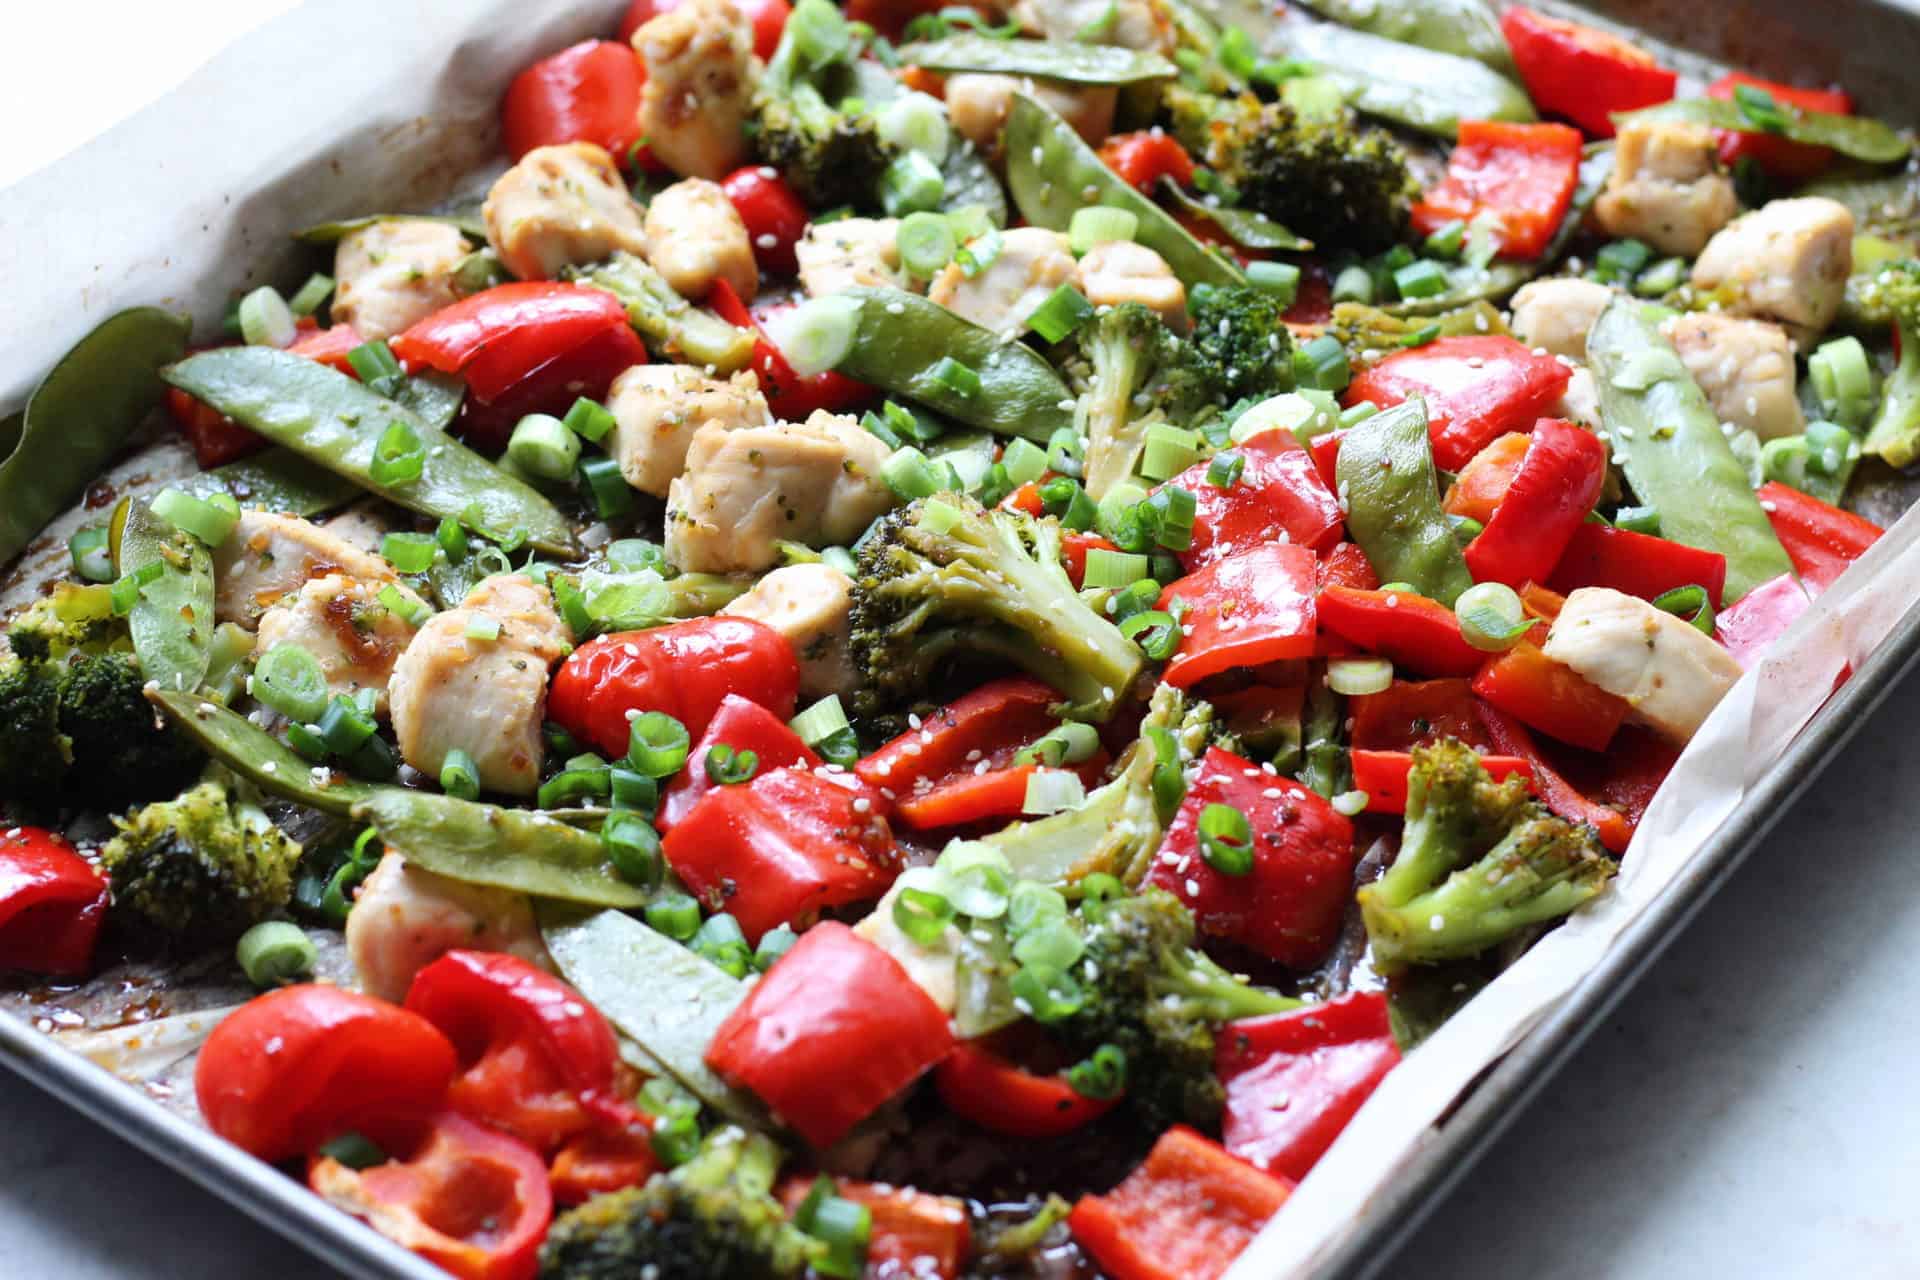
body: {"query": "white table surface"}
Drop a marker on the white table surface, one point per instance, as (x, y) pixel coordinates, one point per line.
(1748, 1112)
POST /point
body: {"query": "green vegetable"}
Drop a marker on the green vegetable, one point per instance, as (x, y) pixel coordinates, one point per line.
(1894, 433)
(1050, 169)
(1465, 28)
(901, 339)
(1860, 137)
(671, 325)
(1387, 478)
(276, 480)
(813, 111)
(1138, 373)
(971, 186)
(335, 421)
(1248, 228)
(1673, 453)
(1820, 462)
(171, 622)
(275, 952)
(1422, 89)
(79, 417)
(1048, 59)
(470, 225)
(1324, 765)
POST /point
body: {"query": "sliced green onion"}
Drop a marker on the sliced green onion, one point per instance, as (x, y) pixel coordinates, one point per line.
(908, 473)
(633, 847)
(911, 183)
(1830, 448)
(821, 722)
(1054, 944)
(1465, 528)
(1638, 520)
(1097, 890)
(1049, 994)
(721, 943)
(922, 915)
(211, 522)
(1064, 311)
(1226, 839)
(1114, 568)
(399, 458)
(916, 122)
(344, 726)
(630, 789)
(1353, 284)
(1067, 452)
(676, 1137)
(1169, 451)
(1135, 598)
(979, 879)
(1491, 616)
(1119, 518)
(1422, 279)
(926, 243)
(1322, 364)
(308, 744)
(657, 744)
(375, 364)
(956, 377)
(1155, 631)
(674, 914)
(460, 776)
(409, 552)
(1622, 260)
(291, 681)
(275, 952)
(1446, 240)
(1225, 469)
(839, 558)
(1419, 338)
(774, 943)
(1689, 602)
(846, 1228)
(611, 494)
(1843, 381)
(1101, 1075)
(483, 626)
(1169, 782)
(729, 766)
(979, 252)
(1171, 510)
(1100, 225)
(92, 558)
(1281, 279)
(1662, 278)
(266, 320)
(1035, 906)
(1024, 460)
(311, 295)
(1350, 804)
(575, 783)
(1068, 743)
(1065, 500)
(125, 592)
(409, 609)
(817, 335)
(590, 420)
(1355, 414)
(452, 537)
(1353, 677)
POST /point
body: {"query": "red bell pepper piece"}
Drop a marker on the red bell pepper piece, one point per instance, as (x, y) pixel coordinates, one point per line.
(1485, 480)
(52, 902)
(744, 725)
(293, 1068)
(1412, 713)
(833, 1030)
(603, 1159)
(1749, 626)
(791, 397)
(1383, 776)
(1476, 388)
(536, 1060)
(1185, 1213)
(775, 216)
(1550, 697)
(1312, 297)
(1243, 611)
(1346, 565)
(980, 1086)
(1625, 776)
(1279, 497)
(1412, 631)
(968, 797)
(777, 849)
(989, 724)
(1523, 174)
(685, 669)
(473, 1202)
(1821, 539)
(915, 1236)
(1142, 159)
(1295, 1079)
(1636, 563)
(588, 92)
(1289, 907)
(1510, 738)
(1779, 157)
(1556, 486)
(768, 18)
(1582, 73)
(328, 346)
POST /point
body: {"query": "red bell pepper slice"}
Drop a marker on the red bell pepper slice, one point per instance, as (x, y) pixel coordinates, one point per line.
(1511, 738)
(1636, 563)
(1550, 697)
(1556, 486)
(1412, 713)
(1485, 480)
(1294, 1080)
(980, 1086)
(588, 92)
(1412, 631)
(1821, 539)
(915, 1236)
(1346, 565)
(779, 848)
(774, 215)
(1625, 776)
(968, 797)
(1779, 157)
(1279, 497)
(1290, 905)
(791, 397)
(293, 1068)
(1476, 388)
(1325, 449)
(1383, 776)
(603, 1159)
(768, 18)
(1142, 159)
(832, 1031)
(685, 669)
(1185, 1213)
(536, 1060)
(1243, 611)
(473, 1202)
(52, 903)
(1522, 174)
(1749, 626)
(328, 346)
(1582, 73)
(989, 724)
(744, 725)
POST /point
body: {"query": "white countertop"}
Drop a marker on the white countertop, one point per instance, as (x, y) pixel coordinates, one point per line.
(1746, 1112)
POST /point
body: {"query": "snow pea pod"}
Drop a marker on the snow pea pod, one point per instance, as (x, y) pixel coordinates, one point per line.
(171, 622)
(1050, 60)
(1248, 228)
(1671, 447)
(470, 225)
(276, 480)
(1392, 492)
(433, 397)
(1420, 88)
(1465, 28)
(666, 320)
(901, 339)
(333, 420)
(660, 995)
(81, 415)
(259, 757)
(1053, 173)
(971, 183)
(1861, 137)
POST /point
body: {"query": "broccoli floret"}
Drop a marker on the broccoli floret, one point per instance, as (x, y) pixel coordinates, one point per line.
(713, 1216)
(1134, 371)
(1370, 332)
(944, 578)
(199, 870)
(1478, 862)
(1329, 179)
(1240, 333)
(71, 619)
(801, 124)
(1895, 431)
(1153, 994)
(33, 755)
(122, 751)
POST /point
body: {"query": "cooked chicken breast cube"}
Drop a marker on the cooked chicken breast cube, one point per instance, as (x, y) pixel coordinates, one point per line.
(559, 207)
(978, 103)
(850, 252)
(656, 409)
(1665, 188)
(1555, 314)
(1131, 24)
(342, 623)
(1580, 402)
(1787, 260)
(1032, 263)
(744, 490)
(268, 556)
(695, 236)
(1671, 674)
(699, 90)
(486, 697)
(1120, 271)
(393, 273)
(1744, 366)
(808, 604)
(404, 918)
